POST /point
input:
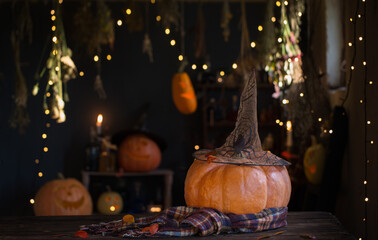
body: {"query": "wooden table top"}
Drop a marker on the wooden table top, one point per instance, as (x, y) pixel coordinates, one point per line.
(301, 225)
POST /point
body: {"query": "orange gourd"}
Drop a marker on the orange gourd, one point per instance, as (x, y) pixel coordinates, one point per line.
(236, 189)
(138, 153)
(183, 93)
(63, 197)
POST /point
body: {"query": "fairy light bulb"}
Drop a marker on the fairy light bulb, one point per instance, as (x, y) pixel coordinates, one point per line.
(180, 57)
(359, 15)
(53, 28)
(281, 124)
(364, 63)
(320, 119)
(220, 80)
(31, 201)
(285, 21)
(55, 52)
(95, 58)
(278, 121)
(81, 73)
(45, 149)
(194, 67)
(360, 38)
(300, 14)
(350, 19)
(112, 208)
(352, 67)
(196, 147)
(109, 57)
(286, 3)
(260, 28)
(44, 136)
(273, 19)
(52, 12)
(119, 22)
(368, 122)
(204, 67)
(372, 142)
(234, 66)
(370, 82)
(253, 44)
(285, 101)
(40, 174)
(158, 18)
(53, 18)
(221, 73)
(350, 44)
(279, 40)
(173, 42)
(167, 31)
(366, 199)
(153, 1)
(48, 125)
(57, 68)
(128, 11)
(278, 3)
(330, 131)
(54, 39)
(47, 112)
(365, 182)
(36, 161)
(301, 94)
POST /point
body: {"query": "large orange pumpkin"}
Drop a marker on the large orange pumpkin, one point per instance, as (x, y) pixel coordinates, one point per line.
(236, 189)
(183, 93)
(63, 197)
(138, 153)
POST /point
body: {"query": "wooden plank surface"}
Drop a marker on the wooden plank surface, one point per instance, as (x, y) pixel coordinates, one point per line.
(321, 225)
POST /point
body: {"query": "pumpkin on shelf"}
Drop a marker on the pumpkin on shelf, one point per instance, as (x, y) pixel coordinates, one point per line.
(63, 197)
(110, 202)
(184, 96)
(139, 153)
(313, 162)
(239, 177)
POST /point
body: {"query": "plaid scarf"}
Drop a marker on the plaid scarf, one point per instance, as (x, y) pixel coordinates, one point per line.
(187, 221)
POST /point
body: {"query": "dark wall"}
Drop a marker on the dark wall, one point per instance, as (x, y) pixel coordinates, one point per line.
(130, 81)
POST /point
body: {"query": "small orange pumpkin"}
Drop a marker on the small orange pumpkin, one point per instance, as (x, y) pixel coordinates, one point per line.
(236, 189)
(183, 93)
(63, 197)
(110, 203)
(138, 153)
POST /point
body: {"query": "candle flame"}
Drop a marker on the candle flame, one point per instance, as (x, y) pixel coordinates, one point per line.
(99, 119)
(288, 125)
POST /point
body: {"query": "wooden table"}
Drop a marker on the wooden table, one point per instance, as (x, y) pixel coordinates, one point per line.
(322, 225)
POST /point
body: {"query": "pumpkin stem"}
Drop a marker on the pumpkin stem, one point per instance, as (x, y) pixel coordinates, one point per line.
(60, 176)
(182, 65)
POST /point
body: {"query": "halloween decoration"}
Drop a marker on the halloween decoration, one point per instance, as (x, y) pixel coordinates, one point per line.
(138, 153)
(110, 202)
(169, 12)
(313, 162)
(62, 197)
(183, 93)
(147, 45)
(239, 177)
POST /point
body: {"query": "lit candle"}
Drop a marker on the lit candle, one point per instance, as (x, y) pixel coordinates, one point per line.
(289, 137)
(99, 123)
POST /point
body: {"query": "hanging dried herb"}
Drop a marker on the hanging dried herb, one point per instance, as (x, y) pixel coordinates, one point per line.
(23, 28)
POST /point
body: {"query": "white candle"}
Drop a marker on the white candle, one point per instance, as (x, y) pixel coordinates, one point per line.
(99, 123)
(289, 137)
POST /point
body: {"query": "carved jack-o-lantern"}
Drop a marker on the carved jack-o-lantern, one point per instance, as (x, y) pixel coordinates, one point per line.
(62, 197)
(183, 93)
(110, 203)
(313, 162)
(138, 153)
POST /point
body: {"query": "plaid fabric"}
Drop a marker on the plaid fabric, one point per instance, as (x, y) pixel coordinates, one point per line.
(188, 221)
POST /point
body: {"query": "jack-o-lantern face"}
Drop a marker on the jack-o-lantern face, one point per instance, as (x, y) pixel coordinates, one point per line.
(138, 153)
(183, 93)
(63, 197)
(110, 203)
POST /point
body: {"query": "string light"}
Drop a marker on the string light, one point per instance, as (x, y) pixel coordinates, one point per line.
(301, 94)
(119, 22)
(260, 28)
(234, 66)
(370, 82)
(204, 67)
(278, 121)
(300, 14)
(330, 131)
(31, 201)
(109, 57)
(180, 57)
(285, 101)
(40, 174)
(368, 122)
(95, 58)
(221, 73)
(194, 67)
(36, 161)
(44, 136)
(52, 12)
(158, 18)
(352, 67)
(196, 147)
(167, 31)
(350, 44)
(81, 73)
(153, 1)
(253, 44)
(57, 68)
(286, 3)
(45, 149)
(364, 63)
(273, 19)
(47, 112)
(279, 40)
(128, 11)
(54, 39)
(220, 80)
(278, 3)
(173, 42)
(53, 18)
(53, 28)
(360, 38)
